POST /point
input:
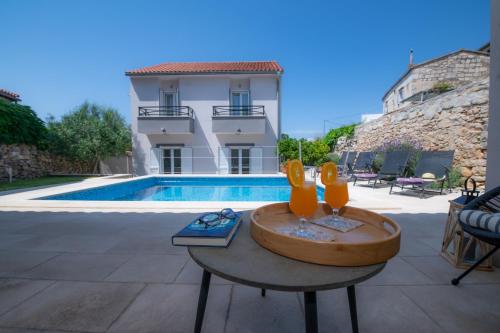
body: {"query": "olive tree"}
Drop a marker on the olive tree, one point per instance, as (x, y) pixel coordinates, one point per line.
(90, 132)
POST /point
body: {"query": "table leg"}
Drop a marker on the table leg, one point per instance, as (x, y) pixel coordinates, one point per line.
(311, 312)
(202, 300)
(351, 294)
(263, 292)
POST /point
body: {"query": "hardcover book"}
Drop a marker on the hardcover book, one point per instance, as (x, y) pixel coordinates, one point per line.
(198, 233)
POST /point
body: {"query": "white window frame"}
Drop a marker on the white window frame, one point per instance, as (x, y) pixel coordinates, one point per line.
(162, 164)
(239, 91)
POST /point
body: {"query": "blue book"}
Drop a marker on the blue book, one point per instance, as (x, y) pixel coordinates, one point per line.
(199, 234)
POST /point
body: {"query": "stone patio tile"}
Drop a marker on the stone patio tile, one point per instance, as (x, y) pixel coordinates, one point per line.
(467, 308)
(413, 246)
(15, 262)
(82, 267)
(277, 312)
(23, 330)
(441, 271)
(192, 273)
(73, 306)
(149, 268)
(67, 243)
(153, 244)
(7, 240)
(380, 309)
(398, 272)
(172, 308)
(14, 291)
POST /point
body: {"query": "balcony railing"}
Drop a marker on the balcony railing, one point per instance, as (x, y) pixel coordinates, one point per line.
(165, 111)
(239, 111)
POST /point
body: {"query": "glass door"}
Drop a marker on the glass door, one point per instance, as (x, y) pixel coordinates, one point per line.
(240, 102)
(169, 104)
(240, 160)
(172, 161)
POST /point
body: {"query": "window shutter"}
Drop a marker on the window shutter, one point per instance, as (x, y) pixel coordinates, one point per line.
(187, 160)
(255, 160)
(155, 157)
(223, 160)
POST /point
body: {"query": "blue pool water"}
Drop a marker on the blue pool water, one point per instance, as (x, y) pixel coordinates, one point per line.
(188, 189)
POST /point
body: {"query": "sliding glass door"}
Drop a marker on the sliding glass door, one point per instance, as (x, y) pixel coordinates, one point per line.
(240, 160)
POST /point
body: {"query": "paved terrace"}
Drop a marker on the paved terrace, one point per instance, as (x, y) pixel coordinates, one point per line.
(117, 272)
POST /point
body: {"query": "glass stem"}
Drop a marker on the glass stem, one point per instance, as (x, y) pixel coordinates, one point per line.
(335, 213)
(302, 224)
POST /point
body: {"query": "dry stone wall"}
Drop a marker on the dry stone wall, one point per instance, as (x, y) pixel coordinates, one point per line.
(29, 162)
(456, 120)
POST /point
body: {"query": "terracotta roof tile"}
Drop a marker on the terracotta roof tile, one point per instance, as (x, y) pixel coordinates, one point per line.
(209, 68)
(9, 95)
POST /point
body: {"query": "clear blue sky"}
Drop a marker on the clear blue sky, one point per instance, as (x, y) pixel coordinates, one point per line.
(339, 56)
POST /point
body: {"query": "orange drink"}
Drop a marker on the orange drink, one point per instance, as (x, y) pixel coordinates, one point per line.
(304, 200)
(337, 194)
(328, 173)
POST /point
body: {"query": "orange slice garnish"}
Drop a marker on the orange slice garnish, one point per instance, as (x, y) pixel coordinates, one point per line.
(295, 173)
(328, 173)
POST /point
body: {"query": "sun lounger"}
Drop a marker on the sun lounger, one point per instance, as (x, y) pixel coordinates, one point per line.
(394, 166)
(432, 167)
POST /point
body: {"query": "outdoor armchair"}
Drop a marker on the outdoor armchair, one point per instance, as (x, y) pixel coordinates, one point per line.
(481, 219)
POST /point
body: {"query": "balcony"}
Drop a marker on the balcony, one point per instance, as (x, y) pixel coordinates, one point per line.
(165, 120)
(244, 119)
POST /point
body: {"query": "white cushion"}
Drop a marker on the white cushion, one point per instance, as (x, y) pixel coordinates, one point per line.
(481, 219)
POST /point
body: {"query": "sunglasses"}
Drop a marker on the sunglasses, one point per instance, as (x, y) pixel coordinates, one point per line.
(213, 219)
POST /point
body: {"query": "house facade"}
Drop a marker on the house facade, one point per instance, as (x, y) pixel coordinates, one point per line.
(206, 118)
(453, 70)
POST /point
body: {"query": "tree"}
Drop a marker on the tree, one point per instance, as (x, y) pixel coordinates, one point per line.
(334, 134)
(20, 124)
(313, 152)
(90, 132)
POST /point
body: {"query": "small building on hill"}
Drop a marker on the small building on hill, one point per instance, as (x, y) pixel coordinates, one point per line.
(428, 79)
(9, 96)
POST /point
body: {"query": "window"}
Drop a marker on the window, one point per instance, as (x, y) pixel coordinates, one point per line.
(240, 160)
(168, 102)
(172, 160)
(240, 101)
(401, 94)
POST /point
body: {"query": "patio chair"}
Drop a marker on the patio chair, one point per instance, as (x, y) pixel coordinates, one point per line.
(363, 162)
(394, 165)
(347, 159)
(481, 219)
(433, 167)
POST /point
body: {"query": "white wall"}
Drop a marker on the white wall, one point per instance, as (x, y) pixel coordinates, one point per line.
(202, 92)
(493, 160)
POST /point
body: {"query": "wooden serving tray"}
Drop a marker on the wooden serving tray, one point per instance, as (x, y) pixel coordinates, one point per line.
(374, 242)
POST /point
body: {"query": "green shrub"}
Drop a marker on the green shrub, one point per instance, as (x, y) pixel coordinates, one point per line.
(313, 152)
(335, 158)
(442, 87)
(20, 124)
(334, 134)
(412, 146)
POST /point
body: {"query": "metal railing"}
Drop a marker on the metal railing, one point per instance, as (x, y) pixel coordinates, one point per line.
(238, 111)
(165, 111)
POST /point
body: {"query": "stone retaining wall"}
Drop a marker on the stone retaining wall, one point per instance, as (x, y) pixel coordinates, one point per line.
(454, 120)
(29, 162)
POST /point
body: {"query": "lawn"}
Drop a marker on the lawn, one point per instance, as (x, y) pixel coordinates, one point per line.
(42, 181)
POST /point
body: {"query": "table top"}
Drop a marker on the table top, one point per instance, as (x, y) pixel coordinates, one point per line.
(246, 262)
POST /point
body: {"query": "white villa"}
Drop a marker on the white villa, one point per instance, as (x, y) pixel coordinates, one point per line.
(206, 117)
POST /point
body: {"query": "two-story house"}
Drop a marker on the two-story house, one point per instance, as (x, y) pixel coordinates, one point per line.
(206, 117)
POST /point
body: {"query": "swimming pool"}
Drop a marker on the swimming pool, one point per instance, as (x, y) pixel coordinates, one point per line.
(188, 189)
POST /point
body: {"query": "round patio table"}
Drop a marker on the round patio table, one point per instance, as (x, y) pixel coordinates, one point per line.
(246, 262)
